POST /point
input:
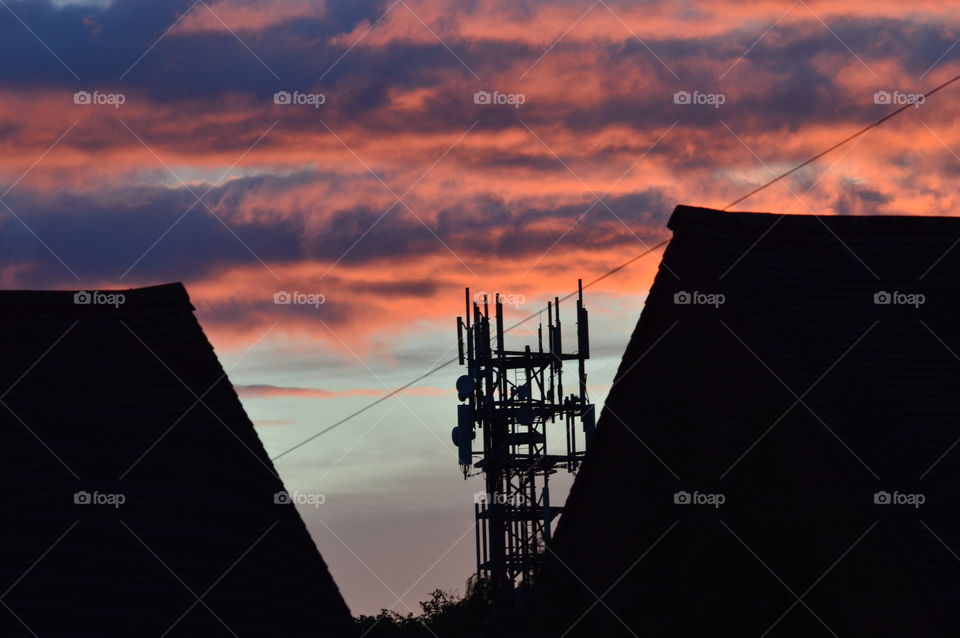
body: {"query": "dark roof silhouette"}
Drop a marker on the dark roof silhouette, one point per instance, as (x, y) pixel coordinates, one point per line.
(131, 400)
(798, 399)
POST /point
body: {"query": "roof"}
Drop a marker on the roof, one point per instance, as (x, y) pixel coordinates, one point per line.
(806, 386)
(133, 482)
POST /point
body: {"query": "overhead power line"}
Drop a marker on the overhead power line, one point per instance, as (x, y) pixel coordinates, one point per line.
(443, 365)
(849, 138)
(625, 264)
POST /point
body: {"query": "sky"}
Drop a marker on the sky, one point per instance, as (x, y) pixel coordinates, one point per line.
(368, 160)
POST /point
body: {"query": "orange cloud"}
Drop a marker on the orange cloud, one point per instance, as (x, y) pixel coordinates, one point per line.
(273, 391)
(245, 15)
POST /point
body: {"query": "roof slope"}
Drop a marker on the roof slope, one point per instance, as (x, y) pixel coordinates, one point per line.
(798, 399)
(131, 400)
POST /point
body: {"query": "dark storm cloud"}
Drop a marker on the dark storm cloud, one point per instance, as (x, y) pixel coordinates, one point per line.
(101, 44)
(101, 236)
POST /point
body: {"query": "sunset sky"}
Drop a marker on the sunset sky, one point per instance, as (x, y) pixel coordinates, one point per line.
(341, 150)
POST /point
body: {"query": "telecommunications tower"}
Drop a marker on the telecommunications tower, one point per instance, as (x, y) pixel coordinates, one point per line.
(510, 401)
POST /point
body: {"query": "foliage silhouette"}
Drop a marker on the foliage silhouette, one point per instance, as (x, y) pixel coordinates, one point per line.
(443, 615)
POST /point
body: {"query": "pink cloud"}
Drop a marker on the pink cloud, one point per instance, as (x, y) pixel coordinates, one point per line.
(273, 391)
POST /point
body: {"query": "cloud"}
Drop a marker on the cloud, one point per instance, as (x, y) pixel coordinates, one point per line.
(247, 15)
(272, 391)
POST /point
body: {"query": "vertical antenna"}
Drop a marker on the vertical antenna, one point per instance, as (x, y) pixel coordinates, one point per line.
(466, 305)
(583, 340)
(540, 335)
(499, 310)
(558, 351)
